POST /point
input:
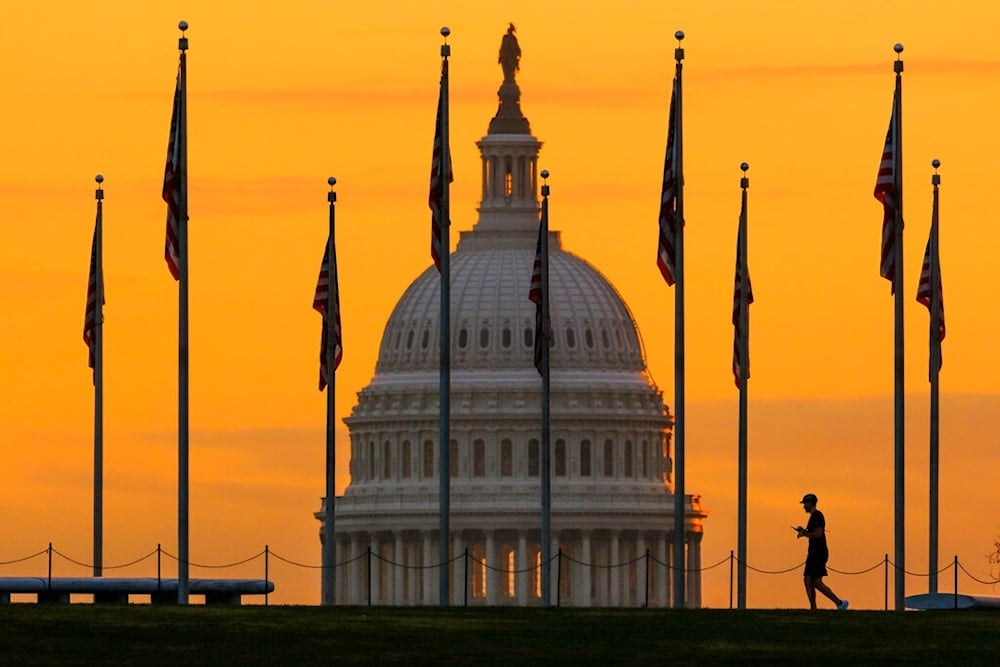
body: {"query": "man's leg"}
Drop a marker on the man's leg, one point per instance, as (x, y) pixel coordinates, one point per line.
(810, 591)
(825, 590)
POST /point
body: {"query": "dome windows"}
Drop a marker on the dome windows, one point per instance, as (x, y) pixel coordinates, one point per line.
(505, 337)
(425, 339)
(560, 458)
(588, 338)
(428, 461)
(484, 337)
(409, 339)
(529, 337)
(585, 458)
(570, 338)
(463, 338)
(533, 451)
(605, 341)
(506, 458)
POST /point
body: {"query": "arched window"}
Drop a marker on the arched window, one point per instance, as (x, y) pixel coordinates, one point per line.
(477, 570)
(479, 458)
(645, 459)
(425, 339)
(609, 459)
(560, 458)
(463, 338)
(508, 184)
(585, 458)
(604, 338)
(533, 451)
(453, 458)
(629, 457)
(406, 462)
(428, 459)
(506, 458)
(505, 337)
(529, 337)
(371, 460)
(409, 339)
(570, 338)
(484, 338)
(588, 338)
(386, 460)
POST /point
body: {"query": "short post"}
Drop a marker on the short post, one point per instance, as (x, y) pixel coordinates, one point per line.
(159, 554)
(887, 582)
(559, 577)
(369, 575)
(730, 578)
(646, 603)
(955, 565)
(465, 578)
(50, 566)
(267, 558)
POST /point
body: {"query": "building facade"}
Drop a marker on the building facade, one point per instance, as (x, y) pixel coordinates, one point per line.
(612, 514)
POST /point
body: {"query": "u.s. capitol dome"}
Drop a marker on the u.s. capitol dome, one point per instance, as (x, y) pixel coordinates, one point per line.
(611, 493)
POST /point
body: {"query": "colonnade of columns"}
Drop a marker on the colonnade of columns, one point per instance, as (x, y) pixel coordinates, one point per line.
(605, 568)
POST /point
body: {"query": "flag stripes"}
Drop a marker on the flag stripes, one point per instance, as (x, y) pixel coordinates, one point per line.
(436, 195)
(666, 253)
(886, 194)
(543, 333)
(94, 314)
(741, 366)
(328, 277)
(924, 297)
(171, 187)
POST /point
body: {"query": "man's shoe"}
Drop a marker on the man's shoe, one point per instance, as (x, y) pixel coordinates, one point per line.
(843, 605)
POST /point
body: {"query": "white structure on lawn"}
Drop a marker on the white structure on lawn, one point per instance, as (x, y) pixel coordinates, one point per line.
(610, 429)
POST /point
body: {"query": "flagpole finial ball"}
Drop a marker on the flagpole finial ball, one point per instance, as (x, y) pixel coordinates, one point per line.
(545, 173)
(445, 31)
(935, 163)
(183, 25)
(679, 35)
(898, 48)
(744, 166)
(100, 179)
(331, 181)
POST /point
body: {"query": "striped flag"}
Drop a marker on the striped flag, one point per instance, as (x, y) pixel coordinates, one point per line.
(668, 198)
(924, 297)
(543, 329)
(741, 366)
(320, 301)
(171, 187)
(885, 192)
(94, 314)
(436, 195)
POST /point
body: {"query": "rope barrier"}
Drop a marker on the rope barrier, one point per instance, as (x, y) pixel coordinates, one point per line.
(216, 567)
(879, 564)
(975, 578)
(21, 560)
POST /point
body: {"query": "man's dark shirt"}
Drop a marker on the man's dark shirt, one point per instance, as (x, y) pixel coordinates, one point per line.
(817, 545)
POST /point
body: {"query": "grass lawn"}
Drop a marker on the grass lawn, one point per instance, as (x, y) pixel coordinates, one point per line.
(287, 635)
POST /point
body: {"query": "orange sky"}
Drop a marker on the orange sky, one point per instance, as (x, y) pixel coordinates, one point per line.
(281, 96)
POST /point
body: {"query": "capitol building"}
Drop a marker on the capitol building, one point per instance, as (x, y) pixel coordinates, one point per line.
(611, 484)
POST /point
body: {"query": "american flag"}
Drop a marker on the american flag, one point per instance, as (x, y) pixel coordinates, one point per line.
(741, 366)
(668, 198)
(94, 314)
(319, 304)
(885, 192)
(924, 296)
(171, 187)
(436, 195)
(543, 334)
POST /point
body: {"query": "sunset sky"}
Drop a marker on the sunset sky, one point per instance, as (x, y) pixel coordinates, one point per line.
(283, 95)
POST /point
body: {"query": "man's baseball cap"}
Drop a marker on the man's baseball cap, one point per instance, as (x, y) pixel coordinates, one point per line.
(809, 498)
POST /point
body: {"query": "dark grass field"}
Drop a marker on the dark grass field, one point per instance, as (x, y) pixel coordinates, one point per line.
(166, 635)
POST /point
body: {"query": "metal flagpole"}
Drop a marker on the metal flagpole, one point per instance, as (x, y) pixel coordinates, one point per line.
(935, 368)
(329, 545)
(546, 481)
(98, 342)
(444, 333)
(899, 425)
(744, 358)
(679, 417)
(182, 348)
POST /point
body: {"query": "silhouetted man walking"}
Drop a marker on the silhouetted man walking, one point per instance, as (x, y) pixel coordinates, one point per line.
(817, 555)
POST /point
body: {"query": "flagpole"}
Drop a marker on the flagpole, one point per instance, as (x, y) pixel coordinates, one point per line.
(182, 348)
(98, 342)
(329, 321)
(444, 378)
(899, 412)
(546, 481)
(935, 368)
(744, 356)
(680, 522)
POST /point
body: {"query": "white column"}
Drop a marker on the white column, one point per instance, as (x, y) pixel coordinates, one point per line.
(662, 574)
(521, 563)
(490, 556)
(583, 595)
(376, 565)
(399, 571)
(357, 569)
(458, 571)
(428, 575)
(642, 565)
(614, 573)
